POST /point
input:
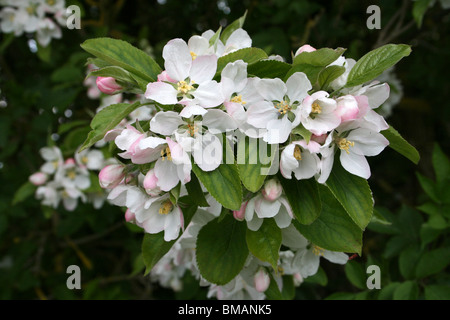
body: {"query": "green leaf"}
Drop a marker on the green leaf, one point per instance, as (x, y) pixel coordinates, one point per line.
(265, 243)
(387, 293)
(312, 72)
(220, 249)
(420, 7)
(254, 166)
(215, 38)
(305, 133)
(44, 53)
(118, 73)
(303, 196)
(407, 262)
(429, 186)
(333, 230)
(433, 262)
(195, 191)
(154, 247)
(273, 291)
(437, 292)
(26, 190)
(356, 274)
(249, 55)
(408, 290)
(353, 193)
(107, 119)
(319, 278)
(328, 75)
(441, 164)
(320, 58)
(223, 183)
(66, 127)
(372, 64)
(269, 69)
(122, 54)
(236, 24)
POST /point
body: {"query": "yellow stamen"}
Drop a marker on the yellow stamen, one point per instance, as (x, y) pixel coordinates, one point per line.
(184, 87)
(84, 160)
(30, 10)
(71, 174)
(280, 270)
(55, 164)
(238, 99)
(316, 108)
(193, 55)
(165, 154)
(193, 129)
(297, 152)
(283, 107)
(345, 144)
(166, 207)
(318, 251)
(51, 2)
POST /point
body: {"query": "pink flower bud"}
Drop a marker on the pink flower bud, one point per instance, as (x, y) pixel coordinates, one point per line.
(272, 190)
(319, 139)
(108, 85)
(305, 48)
(240, 214)
(347, 108)
(38, 178)
(70, 162)
(262, 280)
(298, 279)
(111, 175)
(150, 183)
(130, 216)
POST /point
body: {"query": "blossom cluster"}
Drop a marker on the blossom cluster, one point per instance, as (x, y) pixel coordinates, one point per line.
(69, 180)
(43, 17)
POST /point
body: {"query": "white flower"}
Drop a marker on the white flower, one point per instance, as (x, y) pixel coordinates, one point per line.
(278, 113)
(193, 76)
(72, 176)
(238, 39)
(47, 30)
(261, 206)
(355, 140)
(318, 113)
(341, 81)
(53, 158)
(11, 21)
(90, 159)
(301, 159)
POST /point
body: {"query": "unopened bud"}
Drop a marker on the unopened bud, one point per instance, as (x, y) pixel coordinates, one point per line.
(262, 280)
(240, 214)
(130, 216)
(272, 190)
(150, 183)
(111, 175)
(305, 48)
(38, 178)
(108, 85)
(347, 108)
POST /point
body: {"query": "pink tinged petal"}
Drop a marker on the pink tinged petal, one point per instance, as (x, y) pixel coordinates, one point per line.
(128, 137)
(259, 114)
(108, 85)
(208, 152)
(209, 94)
(377, 95)
(319, 139)
(240, 214)
(272, 89)
(377, 120)
(129, 216)
(355, 164)
(177, 59)
(111, 175)
(272, 190)
(266, 209)
(166, 172)
(236, 110)
(278, 130)
(38, 178)
(312, 146)
(326, 165)
(150, 180)
(322, 123)
(283, 219)
(335, 257)
(308, 166)
(261, 280)
(163, 76)
(298, 86)
(203, 69)
(218, 121)
(287, 162)
(172, 224)
(304, 48)
(161, 92)
(367, 142)
(347, 108)
(192, 110)
(165, 123)
(148, 150)
(363, 106)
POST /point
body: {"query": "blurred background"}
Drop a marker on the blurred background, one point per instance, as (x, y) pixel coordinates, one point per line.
(43, 90)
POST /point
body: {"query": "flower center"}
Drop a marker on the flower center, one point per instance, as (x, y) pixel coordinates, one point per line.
(316, 108)
(84, 160)
(238, 99)
(71, 174)
(318, 251)
(193, 129)
(297, 152)
(283, 107)
(183, 87)
(166, 207)
(51, 2)
(165, 154)
(345, 144)
(193, 55)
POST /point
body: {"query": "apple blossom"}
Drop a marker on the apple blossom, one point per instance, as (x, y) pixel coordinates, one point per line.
(111, 175)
